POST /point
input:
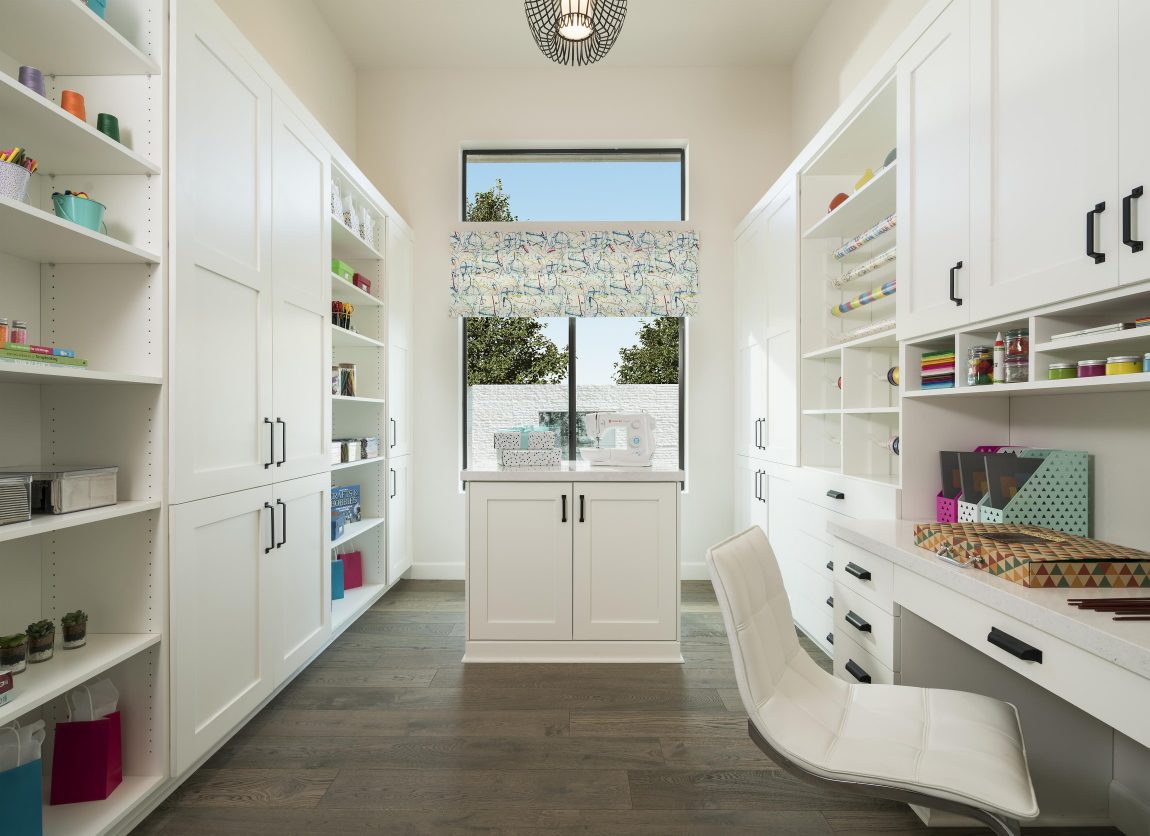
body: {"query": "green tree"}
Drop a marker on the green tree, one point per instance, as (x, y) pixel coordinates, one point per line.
(655, 359)
(512, 350)
(491, 205)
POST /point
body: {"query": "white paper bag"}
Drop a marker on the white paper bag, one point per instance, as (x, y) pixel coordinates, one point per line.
(92, 702)
(20, 745)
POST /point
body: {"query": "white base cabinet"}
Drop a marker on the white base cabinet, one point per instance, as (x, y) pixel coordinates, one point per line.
(573, 571)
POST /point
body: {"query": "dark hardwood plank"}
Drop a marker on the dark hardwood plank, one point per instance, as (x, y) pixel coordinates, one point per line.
(641, 723)
(366, 677)
(230, 787)
(291, 722)
(712, 753)
(617, 676)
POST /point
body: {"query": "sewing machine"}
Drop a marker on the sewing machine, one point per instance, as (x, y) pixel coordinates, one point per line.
(638, 428)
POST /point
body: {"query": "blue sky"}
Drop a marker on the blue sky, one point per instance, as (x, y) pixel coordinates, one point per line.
(591, 191)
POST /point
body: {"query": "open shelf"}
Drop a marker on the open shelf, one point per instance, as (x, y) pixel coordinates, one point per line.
(351, 339)
(883, 339)
(45, 523)
(345, 291)
(31, 371)
(345, 465)
(357, 529)
(357, 399)
(1113, 383)
(346, 244)
(98, 817)
(45, 681)
(1130, 341)
(821, 411)
(353, 604)
(872, 410)
(32, 234)
(861, 210)
(64, 37)
(57, 140)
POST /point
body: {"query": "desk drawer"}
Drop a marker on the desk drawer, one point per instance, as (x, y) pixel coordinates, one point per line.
(867, 625)
(1114, 695)
(859, 499)
(801, 582)
(866, 573)
(816, 620)
(852, 662)
(815, 554)
(811, 519)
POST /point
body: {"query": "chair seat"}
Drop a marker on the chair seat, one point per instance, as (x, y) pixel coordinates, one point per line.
(953, 744)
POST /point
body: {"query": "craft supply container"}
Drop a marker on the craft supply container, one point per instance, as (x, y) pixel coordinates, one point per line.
(1062, 371)
(1123, 364)
(1146, 362)
(14, 181)
(979, 365)
(1091, 368)
(15, 499)
(68, 489)
(1017, 370)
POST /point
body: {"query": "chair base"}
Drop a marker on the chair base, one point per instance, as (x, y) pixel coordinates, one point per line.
(999, 824)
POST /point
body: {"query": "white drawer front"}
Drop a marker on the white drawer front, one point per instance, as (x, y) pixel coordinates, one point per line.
(870, 627)
(860, 499)
(1114, 695)
(853, 662)
(811, 519)
(802, 583)
(814, 554)
(816, 619)
(866, 573)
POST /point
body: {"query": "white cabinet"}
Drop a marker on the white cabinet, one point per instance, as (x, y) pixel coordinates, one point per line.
(399, 556)
(624, 565)
(400, 266)
(751, 496)
(1133, 149)
(1045, 151)
(249, 604)
(519, 560)
(301, 234)
(934, 141)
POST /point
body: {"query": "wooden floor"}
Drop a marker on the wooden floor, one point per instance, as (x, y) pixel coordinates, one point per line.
(388, 733)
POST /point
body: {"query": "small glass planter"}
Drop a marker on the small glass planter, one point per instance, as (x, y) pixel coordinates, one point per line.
(14, 657)
(75, 635)
(41, 643)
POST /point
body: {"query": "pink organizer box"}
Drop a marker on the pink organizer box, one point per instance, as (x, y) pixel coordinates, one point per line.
(87, 760)
(947, 510)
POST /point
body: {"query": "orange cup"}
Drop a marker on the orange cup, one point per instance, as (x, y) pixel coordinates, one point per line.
(73, 102)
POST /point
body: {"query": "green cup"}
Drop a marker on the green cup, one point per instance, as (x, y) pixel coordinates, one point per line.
(108, 125)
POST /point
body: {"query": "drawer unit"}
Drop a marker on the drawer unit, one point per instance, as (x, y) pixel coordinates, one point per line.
(1116, 696)
(866, 574)
(811, 519)
(814, 554)
(816, 620)
(801, 582)
(865, 623)
(856, 665)
(852, 497)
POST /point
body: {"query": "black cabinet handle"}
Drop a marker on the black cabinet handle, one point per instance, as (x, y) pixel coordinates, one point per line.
(857, 672)
(759, 433)
(394, 432)
(283, 534)
(830, 565)
(271, 508)
(394, 490)
(953, 270)
(1013, 646)
(831, 601)
(858, 571)
(1098, 209)
(563, 518)
(1127, 221)
(759, 480)
(833, 494)
(582, 508)
(858, 622)
(271, 443)
(283, 443)
(830, 638)
(756, 484)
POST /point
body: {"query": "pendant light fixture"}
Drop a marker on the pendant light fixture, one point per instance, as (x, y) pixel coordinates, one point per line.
(575, 32)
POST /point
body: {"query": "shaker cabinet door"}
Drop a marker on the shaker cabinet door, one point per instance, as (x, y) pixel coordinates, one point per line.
(1133, 148)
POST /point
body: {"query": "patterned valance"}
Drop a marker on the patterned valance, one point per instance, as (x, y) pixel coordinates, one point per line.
(574, 273)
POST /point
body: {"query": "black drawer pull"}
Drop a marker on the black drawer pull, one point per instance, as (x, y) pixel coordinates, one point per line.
(830, 565)
(833, 494)
(857, 672)
(857, 622)
(831, 601)
(1013, 646)
(830, 638)
(858, 571)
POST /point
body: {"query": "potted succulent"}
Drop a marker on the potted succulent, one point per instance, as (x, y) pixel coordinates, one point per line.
(13, 653)
(75, 625)
(41, 641)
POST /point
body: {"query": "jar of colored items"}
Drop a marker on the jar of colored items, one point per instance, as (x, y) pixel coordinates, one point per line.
(3, 331)
(1091, 368)
(1017, 343)
(18, 334)
(1146, 362)
(1017, 370)
(979, 365)
(1123, 364)
(1063, 371)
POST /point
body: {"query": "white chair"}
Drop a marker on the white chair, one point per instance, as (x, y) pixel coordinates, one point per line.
(947, 750)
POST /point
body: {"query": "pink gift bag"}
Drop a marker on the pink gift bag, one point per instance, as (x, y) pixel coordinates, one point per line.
(352, 569)
(86, 760)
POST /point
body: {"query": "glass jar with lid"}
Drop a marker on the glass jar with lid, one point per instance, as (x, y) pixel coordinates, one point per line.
(1018, 342)
(18, 334)
(1017, 369)
(980, 365)
(1063, 371)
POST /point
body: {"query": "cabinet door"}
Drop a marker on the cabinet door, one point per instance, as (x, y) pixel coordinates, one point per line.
(1133, 130)
(934, 147)
(399, 557)
(750, 338)
(400, 267)
(223, 666)
(301, 297)
(747, 475)
(301, 568)
(626, 562)
(399, 399)
(519, 560)
(779, 435)
(221, 343)
(1045, 153)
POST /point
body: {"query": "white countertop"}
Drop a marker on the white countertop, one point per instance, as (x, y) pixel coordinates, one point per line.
(1126, 644)
(574, 472)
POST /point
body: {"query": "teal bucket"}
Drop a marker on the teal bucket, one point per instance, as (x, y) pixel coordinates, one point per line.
(79, 210)
(97, 6)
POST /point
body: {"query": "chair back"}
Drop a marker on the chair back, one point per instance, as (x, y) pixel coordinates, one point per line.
(756, 613)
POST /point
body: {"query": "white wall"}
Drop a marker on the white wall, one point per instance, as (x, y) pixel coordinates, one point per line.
(412, 125)
(845, 44)
(295, 39)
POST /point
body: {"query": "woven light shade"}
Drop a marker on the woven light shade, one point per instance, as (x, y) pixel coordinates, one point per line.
(575, 32)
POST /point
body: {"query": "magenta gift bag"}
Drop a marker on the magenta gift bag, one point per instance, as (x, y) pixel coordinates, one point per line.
(86, 760)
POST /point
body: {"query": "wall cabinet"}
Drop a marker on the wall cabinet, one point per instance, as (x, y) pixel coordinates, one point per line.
(1133, 150)
(248, 604)
(400, 277)
(751, 494)
(399, 554)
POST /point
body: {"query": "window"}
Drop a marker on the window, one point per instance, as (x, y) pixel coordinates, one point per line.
(552, 372)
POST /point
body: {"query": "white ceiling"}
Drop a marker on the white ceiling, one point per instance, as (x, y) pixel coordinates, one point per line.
(381, 34)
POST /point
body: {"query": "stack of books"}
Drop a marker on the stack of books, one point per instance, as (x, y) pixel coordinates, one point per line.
(938, 370)
(20, 352)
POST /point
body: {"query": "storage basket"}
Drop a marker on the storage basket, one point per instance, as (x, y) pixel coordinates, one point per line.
(14, 181)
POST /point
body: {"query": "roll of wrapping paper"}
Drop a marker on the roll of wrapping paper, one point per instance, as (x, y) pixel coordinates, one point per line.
(865, 268)
(872, 295)
(881, 228)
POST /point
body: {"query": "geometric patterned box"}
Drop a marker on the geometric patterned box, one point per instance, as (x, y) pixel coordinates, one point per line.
(1037, 557)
